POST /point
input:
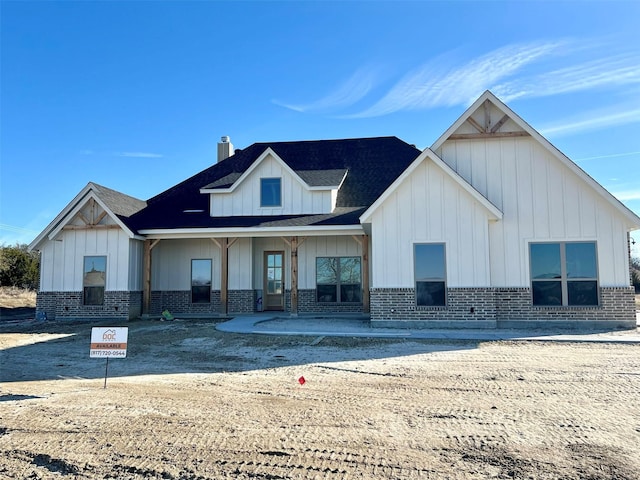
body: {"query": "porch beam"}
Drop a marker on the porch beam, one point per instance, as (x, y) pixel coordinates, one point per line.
(366, 303)
(294, 275)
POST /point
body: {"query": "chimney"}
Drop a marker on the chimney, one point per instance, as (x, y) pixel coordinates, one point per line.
(225, 148)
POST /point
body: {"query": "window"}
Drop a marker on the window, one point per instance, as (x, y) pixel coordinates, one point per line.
(564, 274)
(94, 280)
(201, 281)
(338, 280)
(430, 274)
(270, 192)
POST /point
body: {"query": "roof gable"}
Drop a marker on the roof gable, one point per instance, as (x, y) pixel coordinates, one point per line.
(372, 165)
(428, 155)
(477, 123)
(115, 206)
(320, 179)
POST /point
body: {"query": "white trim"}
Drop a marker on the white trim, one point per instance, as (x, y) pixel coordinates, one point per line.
(244, 232)
(632, 219)
(494, 212)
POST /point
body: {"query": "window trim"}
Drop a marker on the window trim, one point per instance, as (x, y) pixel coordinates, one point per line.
(210, 281)
(84, 287)
(443, 279)
(338, 283)
(279, 204)
(564, 279)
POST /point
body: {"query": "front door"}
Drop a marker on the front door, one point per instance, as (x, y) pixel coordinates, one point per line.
(274, 280)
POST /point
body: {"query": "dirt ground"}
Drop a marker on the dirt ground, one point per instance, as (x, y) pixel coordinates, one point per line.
(190, 402)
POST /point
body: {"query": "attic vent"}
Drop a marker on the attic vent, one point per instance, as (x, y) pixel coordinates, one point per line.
(195, 210)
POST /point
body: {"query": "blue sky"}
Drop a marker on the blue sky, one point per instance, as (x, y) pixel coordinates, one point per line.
(136, 95)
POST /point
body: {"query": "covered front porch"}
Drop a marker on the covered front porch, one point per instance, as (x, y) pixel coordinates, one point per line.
(215, 274)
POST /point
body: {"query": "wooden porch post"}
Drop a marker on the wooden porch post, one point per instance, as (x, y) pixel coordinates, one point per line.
(366, 307)
(146, 275)
(294, 275)
(224, 274)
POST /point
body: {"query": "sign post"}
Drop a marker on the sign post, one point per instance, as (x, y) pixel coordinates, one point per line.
(108, 342)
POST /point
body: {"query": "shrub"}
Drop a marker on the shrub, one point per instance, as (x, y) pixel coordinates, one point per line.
(19, 267)
(635, 273)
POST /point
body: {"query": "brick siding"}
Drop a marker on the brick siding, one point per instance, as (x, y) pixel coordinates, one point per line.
(118, 305)
(500, 307)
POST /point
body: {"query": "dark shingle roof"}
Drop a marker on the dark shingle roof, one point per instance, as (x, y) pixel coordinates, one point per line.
(372, 165)
(323, 178)
(119, 203)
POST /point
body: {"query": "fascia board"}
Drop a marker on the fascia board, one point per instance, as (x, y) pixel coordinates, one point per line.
(252, 232)
(494, 212)
(632, 219)
(268, 151)
(79, 205)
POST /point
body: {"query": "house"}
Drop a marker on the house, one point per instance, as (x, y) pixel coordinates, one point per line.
(490, 227)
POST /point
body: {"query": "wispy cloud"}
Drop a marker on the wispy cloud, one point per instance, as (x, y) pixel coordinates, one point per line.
(122, 154)
(16, 229)
(515, 71)
(612, 155)
(613, 71)
(592, 121)
(350, 92)
(139, 155)
(14, 234)
(436, 85)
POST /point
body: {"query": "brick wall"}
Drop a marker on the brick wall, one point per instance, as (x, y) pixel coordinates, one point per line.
(120, 305)
(307, 304)
(178, 302)
(242, 301)
(500, 307)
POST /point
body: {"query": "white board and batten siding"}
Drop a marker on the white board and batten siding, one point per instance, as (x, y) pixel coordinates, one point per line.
(171, 260)
(310, 248)
(171, 263)
(296, 197)
(63, 259)
(541, 200)
(430, 207)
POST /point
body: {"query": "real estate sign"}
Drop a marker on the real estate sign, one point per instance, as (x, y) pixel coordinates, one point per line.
(109, 342)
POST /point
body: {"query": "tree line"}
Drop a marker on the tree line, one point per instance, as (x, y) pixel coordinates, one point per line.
(19, 267)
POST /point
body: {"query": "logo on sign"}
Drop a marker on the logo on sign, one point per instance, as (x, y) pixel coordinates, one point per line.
(109, 335)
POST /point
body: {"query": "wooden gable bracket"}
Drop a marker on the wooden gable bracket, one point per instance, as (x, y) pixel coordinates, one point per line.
(300, 240)
(487, 130)
(93, 222)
